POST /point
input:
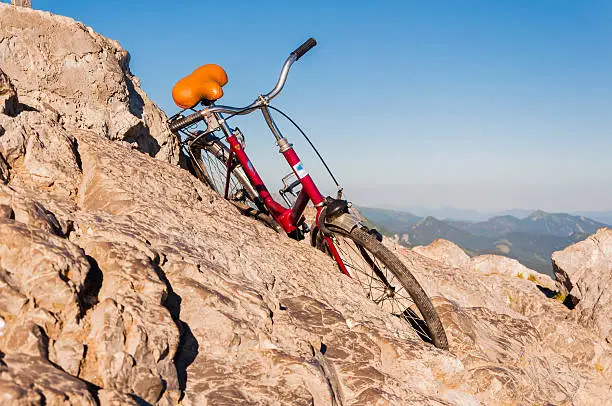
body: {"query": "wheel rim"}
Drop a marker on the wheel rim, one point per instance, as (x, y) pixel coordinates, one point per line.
(390, 296)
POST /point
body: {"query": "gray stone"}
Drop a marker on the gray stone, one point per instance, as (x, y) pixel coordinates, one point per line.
(444, 251)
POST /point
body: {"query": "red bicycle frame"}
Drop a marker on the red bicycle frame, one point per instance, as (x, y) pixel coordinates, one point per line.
(288, 218)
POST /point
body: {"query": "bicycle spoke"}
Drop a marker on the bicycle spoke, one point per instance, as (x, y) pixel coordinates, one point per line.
(402, 296)
(417, 324)
(217, 173)
(379, 301)
(392, 307)
(369, 275)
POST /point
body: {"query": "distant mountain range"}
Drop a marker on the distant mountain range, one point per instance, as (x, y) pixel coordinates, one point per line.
(602, 216)
(452, 213)
(531, 240)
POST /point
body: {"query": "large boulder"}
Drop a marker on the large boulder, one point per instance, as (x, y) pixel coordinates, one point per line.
(81, 79)
(584, 272)
(444, 251)
(498, 264)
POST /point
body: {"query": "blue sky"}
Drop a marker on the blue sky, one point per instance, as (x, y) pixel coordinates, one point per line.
(473, 104)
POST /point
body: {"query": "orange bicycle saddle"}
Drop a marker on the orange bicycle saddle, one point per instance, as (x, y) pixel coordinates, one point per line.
(203, 83)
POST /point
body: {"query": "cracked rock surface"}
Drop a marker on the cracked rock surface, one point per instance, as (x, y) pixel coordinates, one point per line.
(123, 280)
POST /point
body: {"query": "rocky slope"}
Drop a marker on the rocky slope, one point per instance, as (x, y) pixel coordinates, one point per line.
(123, 280)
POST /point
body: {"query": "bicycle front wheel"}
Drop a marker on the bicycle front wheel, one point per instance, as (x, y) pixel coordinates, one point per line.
(389, 284)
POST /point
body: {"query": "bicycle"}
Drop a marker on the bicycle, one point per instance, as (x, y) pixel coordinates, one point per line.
(222, 163)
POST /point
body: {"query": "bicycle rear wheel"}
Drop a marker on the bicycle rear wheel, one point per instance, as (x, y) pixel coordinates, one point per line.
(389, 284)
(209, 161)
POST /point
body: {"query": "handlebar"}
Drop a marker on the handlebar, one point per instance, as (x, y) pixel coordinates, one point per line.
(305, 47)
(183, 122)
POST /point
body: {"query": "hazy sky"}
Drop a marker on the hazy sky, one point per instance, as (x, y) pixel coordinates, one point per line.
(474, 104)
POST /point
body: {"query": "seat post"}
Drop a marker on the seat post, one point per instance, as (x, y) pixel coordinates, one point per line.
(224, 127)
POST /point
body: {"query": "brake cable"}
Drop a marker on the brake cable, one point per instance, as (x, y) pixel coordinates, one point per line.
(312, 146)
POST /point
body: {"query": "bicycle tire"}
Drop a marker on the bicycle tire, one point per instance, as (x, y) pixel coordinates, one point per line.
(429, 327)
(210, 166)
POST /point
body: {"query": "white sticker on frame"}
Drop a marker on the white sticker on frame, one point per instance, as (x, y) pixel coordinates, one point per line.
(299, 170)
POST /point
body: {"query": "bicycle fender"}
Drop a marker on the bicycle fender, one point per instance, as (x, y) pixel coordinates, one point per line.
(345, 222)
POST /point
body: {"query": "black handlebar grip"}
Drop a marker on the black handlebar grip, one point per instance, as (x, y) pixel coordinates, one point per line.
(185, 121)
(305, 47)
